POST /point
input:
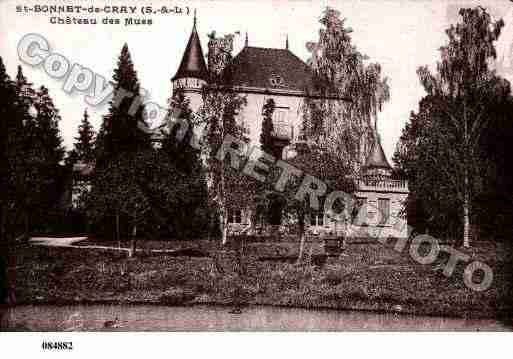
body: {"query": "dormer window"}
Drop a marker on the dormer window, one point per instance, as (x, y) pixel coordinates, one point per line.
(276, 80)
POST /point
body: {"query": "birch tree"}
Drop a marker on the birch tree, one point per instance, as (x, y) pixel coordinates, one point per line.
(218, 116)
(455, 112)
(341, 109)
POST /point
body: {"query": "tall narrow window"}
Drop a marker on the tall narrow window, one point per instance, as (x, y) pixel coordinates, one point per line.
(384, 210)
(280, 122)
(235, 216)
(360, 212)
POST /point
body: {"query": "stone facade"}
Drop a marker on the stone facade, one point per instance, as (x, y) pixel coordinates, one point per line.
(262, 73)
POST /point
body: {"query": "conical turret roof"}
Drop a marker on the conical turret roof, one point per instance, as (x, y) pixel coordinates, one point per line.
(193, 63)
(377, 158)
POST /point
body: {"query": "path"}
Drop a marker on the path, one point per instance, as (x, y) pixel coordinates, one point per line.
(71, 241)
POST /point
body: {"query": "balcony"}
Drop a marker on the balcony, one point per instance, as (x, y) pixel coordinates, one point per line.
(382, 184)
(282, 131)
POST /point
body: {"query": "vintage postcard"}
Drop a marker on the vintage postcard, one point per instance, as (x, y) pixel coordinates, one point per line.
(227, 166)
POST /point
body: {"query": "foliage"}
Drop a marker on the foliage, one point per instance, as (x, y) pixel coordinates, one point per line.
(31, 176)
(325, 169)
(218, 116)
(10, 133)
(138, 186)
(121, 129)
(84, 145)
(177, 149)
(348, 93)
(121, 143)
(266, 141)
(465, 99)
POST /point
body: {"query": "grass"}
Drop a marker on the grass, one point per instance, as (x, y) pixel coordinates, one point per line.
(367, 276)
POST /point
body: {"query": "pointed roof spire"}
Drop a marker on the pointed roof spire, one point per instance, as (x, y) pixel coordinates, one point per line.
(287, 42)
(19, 74)
(246, 42)
(377, 158)
(193, 62)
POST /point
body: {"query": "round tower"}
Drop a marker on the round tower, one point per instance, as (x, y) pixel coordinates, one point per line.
(192, 73)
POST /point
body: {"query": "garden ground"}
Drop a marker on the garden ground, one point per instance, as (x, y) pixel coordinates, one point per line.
(367, 276)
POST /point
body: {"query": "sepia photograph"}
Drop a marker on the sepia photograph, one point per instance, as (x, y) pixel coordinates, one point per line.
(255, 166)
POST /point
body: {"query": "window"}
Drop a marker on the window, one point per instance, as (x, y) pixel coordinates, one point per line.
(280, 122)
(320, 219)
(384, 210)
(360, 212)
(235, 216)
(316, 219)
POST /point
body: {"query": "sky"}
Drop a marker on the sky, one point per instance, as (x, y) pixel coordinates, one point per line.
(401, 35)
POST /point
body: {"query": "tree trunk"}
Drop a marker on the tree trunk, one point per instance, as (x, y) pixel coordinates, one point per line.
(301, 240)
(117, 230)
(466, 216)
(133, 244)
(466, 191)
(223, 223)
(223, 211)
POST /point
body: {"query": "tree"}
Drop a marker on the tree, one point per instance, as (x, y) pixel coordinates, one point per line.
(218, 116)
(23, 171)
(455, 113)
(38, 173)
(324, 170)
(84, 145)
(120, 143)
(347, 95)
(141, 188)
(122, 128)
(83, 152)
(48, 152)
(266, 140)
(9, 131)
(177, 150)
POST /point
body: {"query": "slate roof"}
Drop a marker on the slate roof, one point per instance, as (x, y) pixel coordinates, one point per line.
(269, 68)
(377, 158)
(193, 61)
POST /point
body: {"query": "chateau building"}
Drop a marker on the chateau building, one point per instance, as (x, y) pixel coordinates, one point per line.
(260, 74)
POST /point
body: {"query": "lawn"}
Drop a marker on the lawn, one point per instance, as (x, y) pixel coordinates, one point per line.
(368, 276)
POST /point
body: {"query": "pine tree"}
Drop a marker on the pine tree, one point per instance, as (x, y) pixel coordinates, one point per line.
(266, 144)
(124, 156)
(48, 154)
(84, 145)
(26, 170)
(25, 96)
(34, 151)
(7, 99)
(9, 132)
(121, 128)
(47, 120)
